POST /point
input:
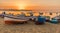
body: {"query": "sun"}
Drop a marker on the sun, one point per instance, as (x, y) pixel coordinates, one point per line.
(22, 6)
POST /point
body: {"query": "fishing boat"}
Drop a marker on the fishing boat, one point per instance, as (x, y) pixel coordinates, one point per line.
(15, 19)
(19, 18)
(55, 20)
(40, 20)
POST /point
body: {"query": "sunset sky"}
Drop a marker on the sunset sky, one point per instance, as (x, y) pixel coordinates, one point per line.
(29, 4)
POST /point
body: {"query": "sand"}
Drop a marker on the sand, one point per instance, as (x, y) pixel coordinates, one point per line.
(30, 27)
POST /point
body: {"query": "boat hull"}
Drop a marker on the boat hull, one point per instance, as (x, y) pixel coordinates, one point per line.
(14, 21)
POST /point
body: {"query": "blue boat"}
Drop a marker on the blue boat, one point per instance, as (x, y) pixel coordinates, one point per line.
(40, 20)
(55, 21)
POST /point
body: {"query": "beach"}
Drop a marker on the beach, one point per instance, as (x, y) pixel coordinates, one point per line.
(29, 27)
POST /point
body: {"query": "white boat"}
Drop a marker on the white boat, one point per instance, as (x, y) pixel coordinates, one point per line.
(19, 18)
(12, 18)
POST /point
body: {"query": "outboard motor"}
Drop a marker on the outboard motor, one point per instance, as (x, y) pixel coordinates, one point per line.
(40, 20)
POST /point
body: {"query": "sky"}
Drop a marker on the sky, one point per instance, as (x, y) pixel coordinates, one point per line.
(21, 3)
(32, 2)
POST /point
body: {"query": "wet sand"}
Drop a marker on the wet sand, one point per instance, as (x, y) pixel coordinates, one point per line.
(30, 27)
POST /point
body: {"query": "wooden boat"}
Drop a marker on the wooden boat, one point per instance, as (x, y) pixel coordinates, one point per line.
(17, 19)
(40, 20)
(56, 19)
(14, 19)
